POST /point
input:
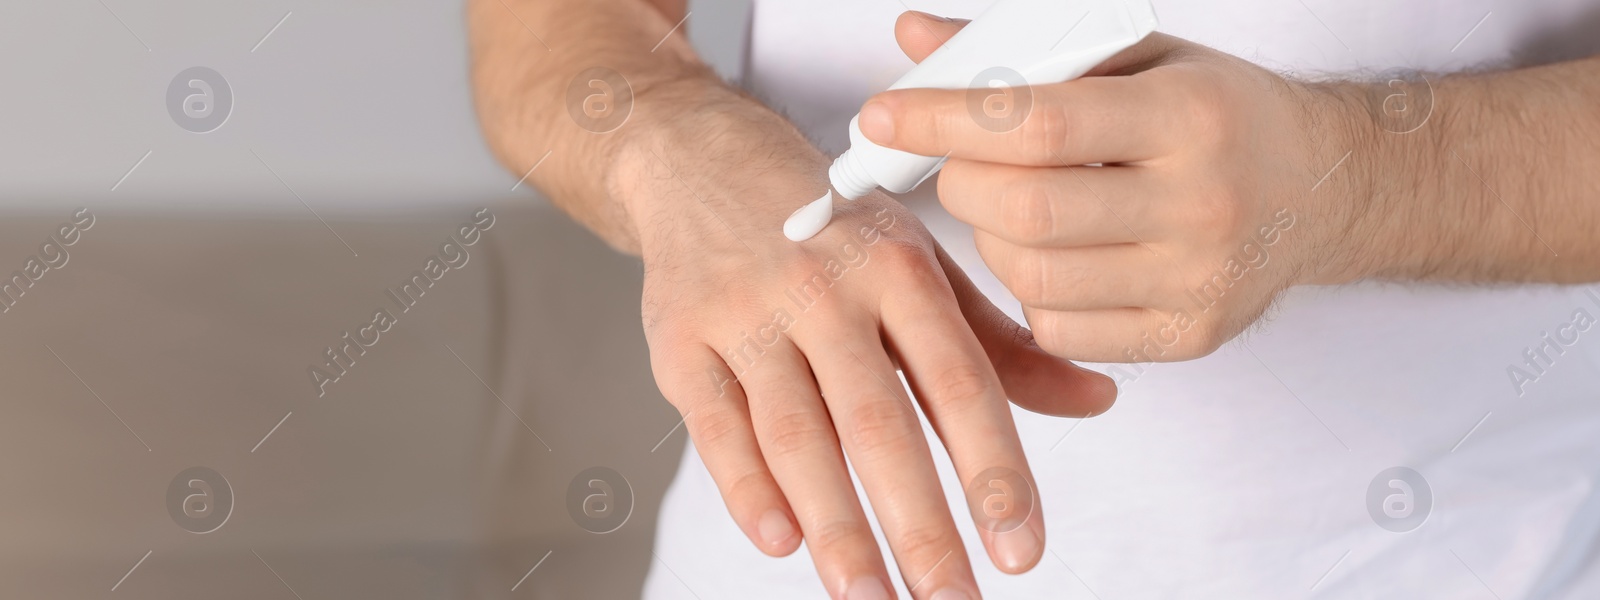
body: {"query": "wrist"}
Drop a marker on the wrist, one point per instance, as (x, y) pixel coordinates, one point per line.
(722, 169)
(1384, 133)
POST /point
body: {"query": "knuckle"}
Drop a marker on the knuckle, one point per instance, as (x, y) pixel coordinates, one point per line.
(1044, 133)
(961, 383)
(718, 429)
(952, 189)
(1055, 345)
(1219, 215)
(907, 256)
(1029, 277)
(881, 428)
(967, 188)
(795, 432)
(1208, 111)
(1205, 338)
(923, 543)
(831, 535)
(684, 389)
(675, 394)
(1048, 333)
(1027, 214)
(671, 343)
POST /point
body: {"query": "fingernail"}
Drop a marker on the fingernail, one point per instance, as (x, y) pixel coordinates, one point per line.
(950, 594)
(877, 122)
(867, 588)
(774, 528)
(1016, 549)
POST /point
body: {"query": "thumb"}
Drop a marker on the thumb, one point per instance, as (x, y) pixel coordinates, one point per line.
(1033, 379)
(920, 33)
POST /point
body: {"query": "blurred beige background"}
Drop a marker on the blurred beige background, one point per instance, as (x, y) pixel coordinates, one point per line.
(210, 282)
(409, 479)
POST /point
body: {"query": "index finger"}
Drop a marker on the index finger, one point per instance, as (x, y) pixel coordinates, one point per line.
(1084, 121)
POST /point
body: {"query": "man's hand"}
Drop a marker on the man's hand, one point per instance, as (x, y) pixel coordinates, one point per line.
(1196, 220)
(782, 358)
(1152, 210)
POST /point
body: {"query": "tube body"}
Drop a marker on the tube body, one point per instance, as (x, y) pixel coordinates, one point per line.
(1012, 44)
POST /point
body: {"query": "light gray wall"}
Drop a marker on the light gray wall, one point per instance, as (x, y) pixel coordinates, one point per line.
(720, 30)
(360, 106)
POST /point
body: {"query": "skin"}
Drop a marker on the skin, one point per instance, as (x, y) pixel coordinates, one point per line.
(776, 394)
(1203, 152)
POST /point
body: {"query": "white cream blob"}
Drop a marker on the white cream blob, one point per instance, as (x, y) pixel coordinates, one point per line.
(809, 219)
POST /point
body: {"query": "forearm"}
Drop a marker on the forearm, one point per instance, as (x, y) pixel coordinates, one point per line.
(1499, 185)
(683, 126)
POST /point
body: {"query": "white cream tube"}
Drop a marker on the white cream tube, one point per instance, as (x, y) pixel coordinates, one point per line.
(1014, 43)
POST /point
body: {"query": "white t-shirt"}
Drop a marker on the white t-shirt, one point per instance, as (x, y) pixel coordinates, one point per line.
(1238, 477)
